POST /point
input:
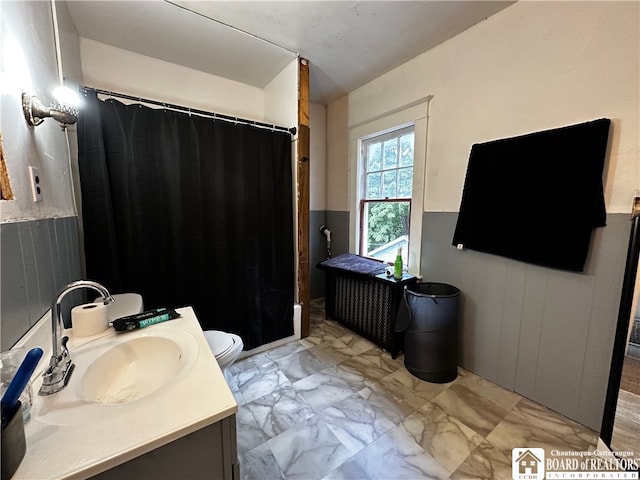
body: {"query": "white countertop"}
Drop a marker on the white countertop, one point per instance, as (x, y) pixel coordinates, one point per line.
(119, 433)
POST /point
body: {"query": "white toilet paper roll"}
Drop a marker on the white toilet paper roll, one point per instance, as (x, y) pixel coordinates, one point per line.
(89, 319)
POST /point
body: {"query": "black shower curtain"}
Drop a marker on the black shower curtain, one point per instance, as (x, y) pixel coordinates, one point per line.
(186, 210)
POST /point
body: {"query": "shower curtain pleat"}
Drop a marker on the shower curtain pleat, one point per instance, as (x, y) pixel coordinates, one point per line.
(189, 211)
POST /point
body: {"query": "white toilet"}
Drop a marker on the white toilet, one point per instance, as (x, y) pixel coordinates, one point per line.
(226, 347)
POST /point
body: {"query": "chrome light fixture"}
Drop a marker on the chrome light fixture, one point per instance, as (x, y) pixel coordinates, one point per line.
(64, 109)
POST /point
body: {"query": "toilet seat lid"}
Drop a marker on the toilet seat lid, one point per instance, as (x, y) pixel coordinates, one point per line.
(219, 342)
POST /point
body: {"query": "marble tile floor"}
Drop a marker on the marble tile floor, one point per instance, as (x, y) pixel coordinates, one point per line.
(627, 423)
(335, 406)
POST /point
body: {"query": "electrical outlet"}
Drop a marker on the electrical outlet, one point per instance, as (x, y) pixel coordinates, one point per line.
(36, 188)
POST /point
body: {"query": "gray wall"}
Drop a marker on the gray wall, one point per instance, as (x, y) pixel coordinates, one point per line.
(338, 223)
(39, 248)
(317, 252)
(38, 258)
(544, 333)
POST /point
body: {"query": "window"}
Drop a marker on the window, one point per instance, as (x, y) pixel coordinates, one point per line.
(412, 121)
(385, 207)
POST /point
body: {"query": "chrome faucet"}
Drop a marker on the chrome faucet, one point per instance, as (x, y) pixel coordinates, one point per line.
(57, 375)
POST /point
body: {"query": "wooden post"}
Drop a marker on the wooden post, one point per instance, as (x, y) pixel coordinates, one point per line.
(303, 193)
(5, 186)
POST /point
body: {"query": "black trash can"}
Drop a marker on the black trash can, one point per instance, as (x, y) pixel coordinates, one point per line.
(431, 338)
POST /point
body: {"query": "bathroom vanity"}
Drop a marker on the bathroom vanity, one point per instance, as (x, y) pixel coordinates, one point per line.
(206, 453)
(183, 426)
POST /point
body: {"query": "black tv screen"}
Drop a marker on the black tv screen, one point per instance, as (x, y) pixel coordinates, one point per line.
(536, 197)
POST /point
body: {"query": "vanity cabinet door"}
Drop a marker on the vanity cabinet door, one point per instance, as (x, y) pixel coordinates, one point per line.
(208, 453)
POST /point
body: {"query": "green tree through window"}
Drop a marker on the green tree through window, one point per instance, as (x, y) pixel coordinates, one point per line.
(387, 221)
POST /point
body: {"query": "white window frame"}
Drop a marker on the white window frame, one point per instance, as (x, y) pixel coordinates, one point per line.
(416, 115)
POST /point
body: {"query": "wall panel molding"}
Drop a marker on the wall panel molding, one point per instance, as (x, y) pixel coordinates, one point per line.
(546, 334)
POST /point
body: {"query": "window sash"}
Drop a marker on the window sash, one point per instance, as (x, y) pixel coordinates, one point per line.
(364, 226)
(375, 172)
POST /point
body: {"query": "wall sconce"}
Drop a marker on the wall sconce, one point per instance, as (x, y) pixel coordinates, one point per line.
(64, 110)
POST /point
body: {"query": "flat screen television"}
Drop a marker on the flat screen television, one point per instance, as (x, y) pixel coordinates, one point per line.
(536, 197)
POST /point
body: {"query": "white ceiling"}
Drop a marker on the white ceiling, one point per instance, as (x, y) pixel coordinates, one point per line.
(347, 43)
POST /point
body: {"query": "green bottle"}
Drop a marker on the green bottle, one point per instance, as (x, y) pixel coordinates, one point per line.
(397, 266)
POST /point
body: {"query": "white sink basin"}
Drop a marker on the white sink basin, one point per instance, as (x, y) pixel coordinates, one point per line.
(133, 369)
(114, 371)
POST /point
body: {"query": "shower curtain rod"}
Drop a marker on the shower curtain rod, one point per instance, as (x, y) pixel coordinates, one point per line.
(215, 116)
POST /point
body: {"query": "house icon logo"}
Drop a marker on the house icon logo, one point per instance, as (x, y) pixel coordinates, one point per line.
(527, 463)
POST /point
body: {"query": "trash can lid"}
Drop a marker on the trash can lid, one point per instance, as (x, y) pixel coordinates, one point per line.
(433, 289)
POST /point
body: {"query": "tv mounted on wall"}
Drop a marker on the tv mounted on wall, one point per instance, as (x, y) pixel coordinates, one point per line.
(536, 197)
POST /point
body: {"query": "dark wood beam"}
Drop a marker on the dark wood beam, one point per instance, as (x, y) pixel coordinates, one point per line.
(303, 193)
